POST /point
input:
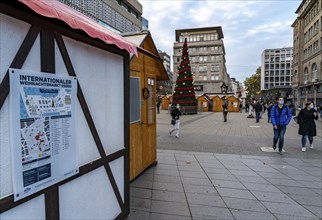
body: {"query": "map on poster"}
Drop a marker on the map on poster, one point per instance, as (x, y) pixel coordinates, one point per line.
(42, 130)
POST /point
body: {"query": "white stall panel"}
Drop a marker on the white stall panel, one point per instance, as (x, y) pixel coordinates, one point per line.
(33, 59)
(86, 147)
(87, 197)
(100, 75)
(33, 209)
(12, 34)
(117, 167)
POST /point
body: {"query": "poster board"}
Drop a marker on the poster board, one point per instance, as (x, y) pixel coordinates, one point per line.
(42, 123)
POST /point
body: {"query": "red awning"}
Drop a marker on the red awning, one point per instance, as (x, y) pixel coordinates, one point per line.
(76, 20)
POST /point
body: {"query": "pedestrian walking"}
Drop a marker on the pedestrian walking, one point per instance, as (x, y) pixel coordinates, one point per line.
(240, 107)
(225, 110)
(265, 107)
(320, 110)
(281, 116)
(269, 108)
(175, 114)
(307, 127)
(258, 108)
(169, 107)
(158, 104)
(246, 106)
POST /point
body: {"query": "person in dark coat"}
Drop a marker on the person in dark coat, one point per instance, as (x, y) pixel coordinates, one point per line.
(269, 108)
(175, 114)
(258, 108)
(307, 127)
(225, 110)
(158, 104)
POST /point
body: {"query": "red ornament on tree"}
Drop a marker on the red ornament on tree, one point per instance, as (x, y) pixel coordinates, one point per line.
(186, 98)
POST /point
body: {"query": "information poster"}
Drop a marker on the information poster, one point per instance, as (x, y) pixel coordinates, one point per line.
(42, 108)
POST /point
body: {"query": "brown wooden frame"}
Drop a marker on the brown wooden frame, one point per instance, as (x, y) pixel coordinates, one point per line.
(45, 27)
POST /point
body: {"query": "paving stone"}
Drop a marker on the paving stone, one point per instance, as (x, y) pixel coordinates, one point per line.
(291, 217)
(166, 179)
(289, 190)
(311, 184)
(303, 177)
(141, 183)
(212, 165)
(138, 214)
(159, 216)
(211, 170)
(287, 209)
(168, 196)
(261, 187)
(268, 175)
(140, 204)
(244, 173)
(166, 167)
(228, 184)
(193, 174)
(237, 167)
(308, 199)
(202, 199)
(140, 193)
(244, 204)
(196, 181)
(251, 179)
(190, 168)
(209, 190)
(316, 210)
(235, 193)
(175, 187)
(243, 215)
(209, 212)
(166, 172)
(172, 208)
(272, 197)
(222, 176)
(284, 182)
(170, 162)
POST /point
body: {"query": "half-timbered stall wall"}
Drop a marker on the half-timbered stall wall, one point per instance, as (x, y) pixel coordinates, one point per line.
(47, 36)
(233, 103)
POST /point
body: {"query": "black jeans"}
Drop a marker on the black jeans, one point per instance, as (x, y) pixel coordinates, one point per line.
(225, 116)
(279, 135)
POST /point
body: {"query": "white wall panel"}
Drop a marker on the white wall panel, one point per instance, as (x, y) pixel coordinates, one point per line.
(100, 75)
(33, 209)
(86, 147)
(117, 167)
(88, 197)
(12, 34)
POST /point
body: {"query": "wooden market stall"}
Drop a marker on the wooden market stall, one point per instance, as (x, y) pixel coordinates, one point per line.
(145, 70)
(166, 99)
(204, 103)
(42, 37)
(217, 103)
(233, 103)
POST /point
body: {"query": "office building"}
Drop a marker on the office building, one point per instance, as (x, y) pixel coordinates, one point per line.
(207, 58)
(165, 87)
(118, 15)
(307, 62)
(276, 75)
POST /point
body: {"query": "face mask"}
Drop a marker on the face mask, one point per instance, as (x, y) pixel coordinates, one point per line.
(281, 102)
(311, 107)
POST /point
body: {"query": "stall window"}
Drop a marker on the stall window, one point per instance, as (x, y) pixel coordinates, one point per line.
(151, 101)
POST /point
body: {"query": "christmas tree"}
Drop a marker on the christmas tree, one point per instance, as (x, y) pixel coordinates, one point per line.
(184, 92)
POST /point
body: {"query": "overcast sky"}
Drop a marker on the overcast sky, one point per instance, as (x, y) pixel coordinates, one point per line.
(249, 27)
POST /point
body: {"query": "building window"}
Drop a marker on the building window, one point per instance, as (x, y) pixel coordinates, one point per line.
(306, 74)
(203, 68)
(314, 71)
(204, 77)
(212, 77)
(214, 68)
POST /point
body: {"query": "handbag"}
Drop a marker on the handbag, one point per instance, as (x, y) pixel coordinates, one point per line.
(173, 121)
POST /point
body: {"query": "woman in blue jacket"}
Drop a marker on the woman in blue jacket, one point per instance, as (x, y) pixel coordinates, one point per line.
(281, 116)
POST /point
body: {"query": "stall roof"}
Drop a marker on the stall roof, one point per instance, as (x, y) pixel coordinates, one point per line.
(138, 38)
(76, 20)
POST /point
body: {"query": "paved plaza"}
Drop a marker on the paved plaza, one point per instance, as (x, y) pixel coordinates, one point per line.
(216, 170)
